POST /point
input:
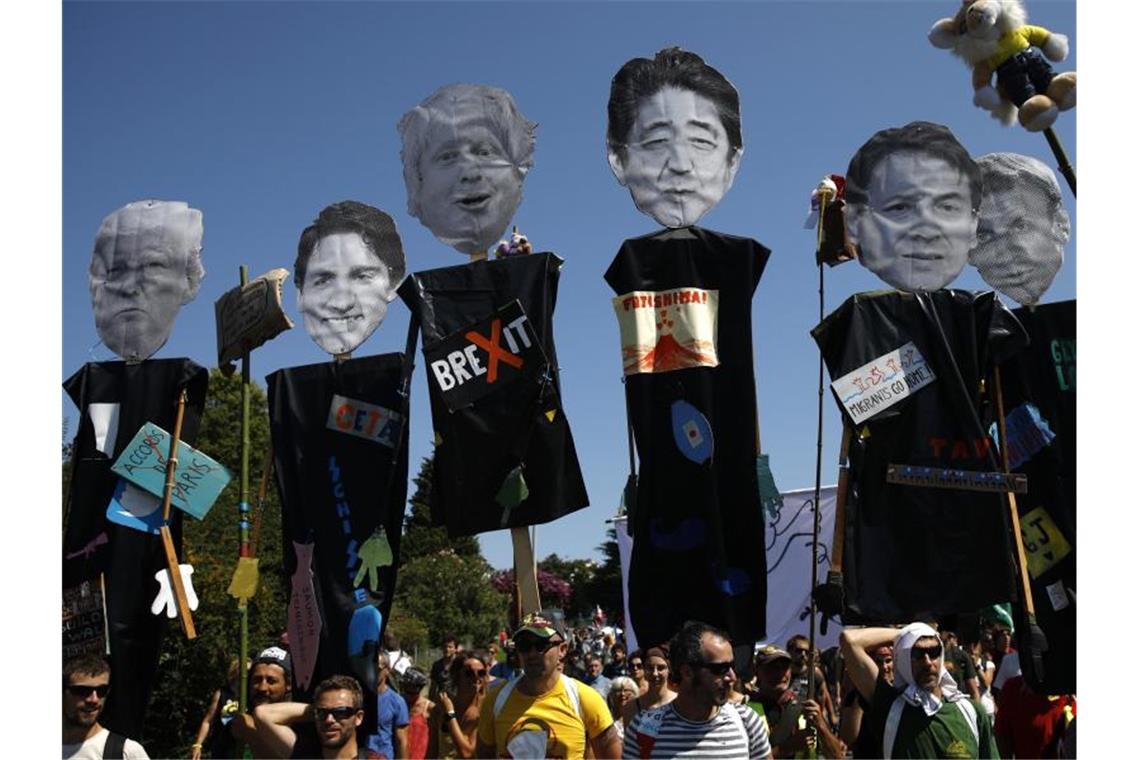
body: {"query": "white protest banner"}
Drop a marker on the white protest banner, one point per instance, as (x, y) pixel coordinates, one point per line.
(882, 383)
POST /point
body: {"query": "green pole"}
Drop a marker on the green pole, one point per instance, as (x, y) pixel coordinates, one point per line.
(243, 510)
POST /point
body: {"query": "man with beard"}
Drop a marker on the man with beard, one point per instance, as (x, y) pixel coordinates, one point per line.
(544, 713)
(923, 714)
(700, 721)
(337, 711)
(270, 681)
(797, 727)
(86, 681)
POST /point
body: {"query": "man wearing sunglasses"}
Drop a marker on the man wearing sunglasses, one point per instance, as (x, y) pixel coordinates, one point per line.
(923, 714)
(337, 711)
(544, 713)
(700, 722)
(86, 681)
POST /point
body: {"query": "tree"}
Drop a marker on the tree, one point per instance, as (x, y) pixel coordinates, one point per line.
(443, 583)
(604, 588)
(190, 671)
(579, 573)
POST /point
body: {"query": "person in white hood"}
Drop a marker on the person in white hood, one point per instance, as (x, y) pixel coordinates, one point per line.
(922, 714)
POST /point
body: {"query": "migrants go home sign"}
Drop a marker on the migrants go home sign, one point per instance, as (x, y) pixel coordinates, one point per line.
(198, 479)
(883, 382)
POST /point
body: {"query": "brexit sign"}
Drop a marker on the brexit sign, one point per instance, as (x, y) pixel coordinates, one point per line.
(488, 355)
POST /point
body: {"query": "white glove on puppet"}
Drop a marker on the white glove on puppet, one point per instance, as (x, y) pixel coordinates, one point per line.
(165, 596)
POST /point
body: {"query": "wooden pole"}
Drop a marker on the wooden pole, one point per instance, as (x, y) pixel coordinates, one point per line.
(172, 568)
(243, 511)
(1063, 164)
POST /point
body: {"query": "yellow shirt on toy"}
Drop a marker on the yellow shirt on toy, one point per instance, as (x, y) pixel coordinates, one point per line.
(1012, 43)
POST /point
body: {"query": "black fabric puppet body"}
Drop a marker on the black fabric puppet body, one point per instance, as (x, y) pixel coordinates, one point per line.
(913, 551)
(684, 306)
(1040, 394)
(341, 462)
(131, 394)
(495, 401)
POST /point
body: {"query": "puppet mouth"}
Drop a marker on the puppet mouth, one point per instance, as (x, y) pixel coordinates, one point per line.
(343, 320)
(475, 202)
(923, 256)
(679, 191)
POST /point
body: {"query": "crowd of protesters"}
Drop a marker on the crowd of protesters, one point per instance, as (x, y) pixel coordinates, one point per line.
(552, 691)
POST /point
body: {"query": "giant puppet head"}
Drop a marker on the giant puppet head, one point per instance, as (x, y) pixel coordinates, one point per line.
(912, 196)
(1022, 226)
(349, 263)
(673, 136)
(146, 265)
(466, 151)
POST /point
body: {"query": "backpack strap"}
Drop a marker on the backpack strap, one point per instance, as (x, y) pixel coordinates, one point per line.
(571, 686)
(504, 694)
(113, 749)
(891, 728)
(966, 706)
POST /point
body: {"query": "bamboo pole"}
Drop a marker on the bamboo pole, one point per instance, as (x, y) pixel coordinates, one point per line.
(243, 510)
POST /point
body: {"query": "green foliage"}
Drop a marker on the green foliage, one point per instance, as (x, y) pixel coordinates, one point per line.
(190, 671)
(605, 587)
(443, 584)
(579, 573)
(421, 538)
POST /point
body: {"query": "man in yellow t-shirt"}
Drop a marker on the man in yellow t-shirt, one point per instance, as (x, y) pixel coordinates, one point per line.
(544, 713)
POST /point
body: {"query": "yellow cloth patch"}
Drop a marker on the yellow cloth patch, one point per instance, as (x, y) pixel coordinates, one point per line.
(1045, 545)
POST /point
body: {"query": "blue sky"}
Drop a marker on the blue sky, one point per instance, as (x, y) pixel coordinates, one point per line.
(261, 113)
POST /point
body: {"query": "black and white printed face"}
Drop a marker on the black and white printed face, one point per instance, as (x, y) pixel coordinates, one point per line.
(139, 274)
(678, 163)
(345, 294)
(917, 228)
(1020, 243)
(469, 189)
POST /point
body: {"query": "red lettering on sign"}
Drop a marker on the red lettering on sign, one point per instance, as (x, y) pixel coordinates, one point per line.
(495, 352)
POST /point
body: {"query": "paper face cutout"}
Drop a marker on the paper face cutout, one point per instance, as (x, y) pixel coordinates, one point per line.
(912, 196)
(678, 163)
(146, 265)
(1022, 226)
(349, 263)
(674, 135)
(466, 150)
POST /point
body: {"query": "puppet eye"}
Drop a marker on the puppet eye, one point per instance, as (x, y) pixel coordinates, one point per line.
(703, 143)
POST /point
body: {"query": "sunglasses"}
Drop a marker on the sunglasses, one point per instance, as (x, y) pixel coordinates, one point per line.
(83, 692)
(338, 713)
(934, 652)
(636, 666)
(797, 650)
(719, 669)
(475, 672)
(536, 645)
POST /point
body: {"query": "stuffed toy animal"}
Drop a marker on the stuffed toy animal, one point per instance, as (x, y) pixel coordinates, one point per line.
(518, 246)
(992, 37)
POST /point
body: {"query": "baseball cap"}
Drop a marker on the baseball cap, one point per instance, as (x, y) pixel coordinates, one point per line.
(771, 653)
(275, 656)
(544, 624)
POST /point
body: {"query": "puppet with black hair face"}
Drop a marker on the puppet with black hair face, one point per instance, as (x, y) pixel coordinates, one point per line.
(683, 304)
(145, 266)
(505, 457)
(340, 450)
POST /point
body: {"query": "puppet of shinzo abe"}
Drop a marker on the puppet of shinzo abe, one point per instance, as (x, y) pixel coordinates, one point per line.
(994, 38)
(683, 299)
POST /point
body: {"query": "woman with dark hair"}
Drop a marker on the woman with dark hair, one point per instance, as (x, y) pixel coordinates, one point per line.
(658, 693)
(456, 720)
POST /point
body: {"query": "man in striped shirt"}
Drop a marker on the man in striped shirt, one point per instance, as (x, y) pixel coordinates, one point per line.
(700, 722)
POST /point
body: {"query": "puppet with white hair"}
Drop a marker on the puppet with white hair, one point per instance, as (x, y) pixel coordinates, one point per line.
(1022, 226)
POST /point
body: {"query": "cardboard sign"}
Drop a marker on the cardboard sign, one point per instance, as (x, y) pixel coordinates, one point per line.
(665, 331)
(882, 383)
(250, 315)
(84, 620)
(364, 420)
(485, 357)
(1045, 545)
(198, 479)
